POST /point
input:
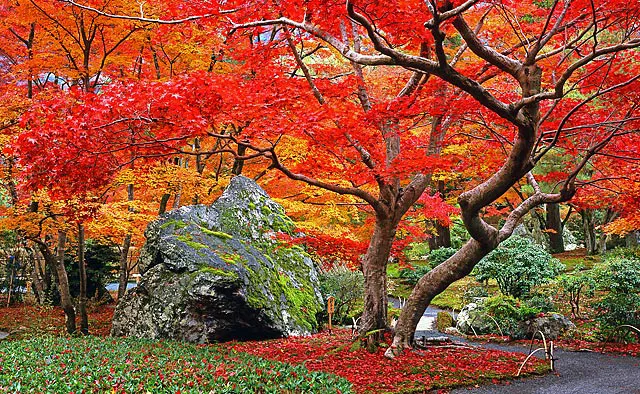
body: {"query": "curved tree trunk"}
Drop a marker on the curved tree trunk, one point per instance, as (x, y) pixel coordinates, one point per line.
(433, 283)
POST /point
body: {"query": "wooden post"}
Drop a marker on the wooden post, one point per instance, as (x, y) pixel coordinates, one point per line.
(331, 305)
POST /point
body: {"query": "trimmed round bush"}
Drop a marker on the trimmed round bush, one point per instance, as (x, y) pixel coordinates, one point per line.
(517, 265)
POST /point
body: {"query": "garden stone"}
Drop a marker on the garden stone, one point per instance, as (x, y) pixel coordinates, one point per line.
(552, 326)
(473, 314)
(216, 273)
(452, 331)
(3, 335)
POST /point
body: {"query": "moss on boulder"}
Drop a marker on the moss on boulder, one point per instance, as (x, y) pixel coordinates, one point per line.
(218, 272)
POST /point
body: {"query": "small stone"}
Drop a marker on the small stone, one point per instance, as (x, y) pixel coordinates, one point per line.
(452, 331)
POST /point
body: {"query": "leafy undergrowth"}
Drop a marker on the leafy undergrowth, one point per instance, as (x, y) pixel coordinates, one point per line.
(98, 365)
(413, 372)
(130, 365)
(26, 321)
(575, 257)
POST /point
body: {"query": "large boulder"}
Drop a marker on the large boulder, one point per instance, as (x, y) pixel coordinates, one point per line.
(552, 326)
(219, 272)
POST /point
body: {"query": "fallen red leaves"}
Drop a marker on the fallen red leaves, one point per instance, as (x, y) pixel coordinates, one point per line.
(437, 367)
(628, 349)
(24, 321)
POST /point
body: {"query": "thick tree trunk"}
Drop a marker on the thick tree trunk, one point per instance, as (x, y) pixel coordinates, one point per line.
(82, 305)
(63, 284)
(433, 283)
(374, 268)
(554, 223)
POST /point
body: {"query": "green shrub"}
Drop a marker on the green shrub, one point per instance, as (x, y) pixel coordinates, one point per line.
(540, 303)
(434, 258)
(413, 275)
(574, 285)
(459, 233)
(444, 320)
(438, 256)
(619, 279)
(509, 311)
(417, 251)
(505, 310)
(473, 292)
(346, 286)
(517, 265)
(623, 253)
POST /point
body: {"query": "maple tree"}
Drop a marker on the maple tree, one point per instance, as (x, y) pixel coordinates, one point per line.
(382, 99)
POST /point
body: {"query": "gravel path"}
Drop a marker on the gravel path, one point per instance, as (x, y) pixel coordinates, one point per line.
(576, 373)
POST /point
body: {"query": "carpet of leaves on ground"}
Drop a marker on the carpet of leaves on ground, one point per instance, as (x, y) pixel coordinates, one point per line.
(414, 371)
(25, 321)
(627, 349)
(120, 365)
(572, 345)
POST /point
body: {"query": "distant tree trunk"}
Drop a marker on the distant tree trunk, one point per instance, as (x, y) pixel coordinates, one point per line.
(441, 238)
(124, 253)
(82, 305)
(37, 280)
(163, 203)
(239, 164)
(176, 200)
(631, 239)
(588, 225)
(63, 280)
(554, 223)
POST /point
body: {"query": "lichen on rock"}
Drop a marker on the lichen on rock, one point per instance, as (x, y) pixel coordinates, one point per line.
(214, 273)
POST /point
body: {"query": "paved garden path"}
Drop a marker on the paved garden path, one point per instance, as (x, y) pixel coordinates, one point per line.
(576, 373)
